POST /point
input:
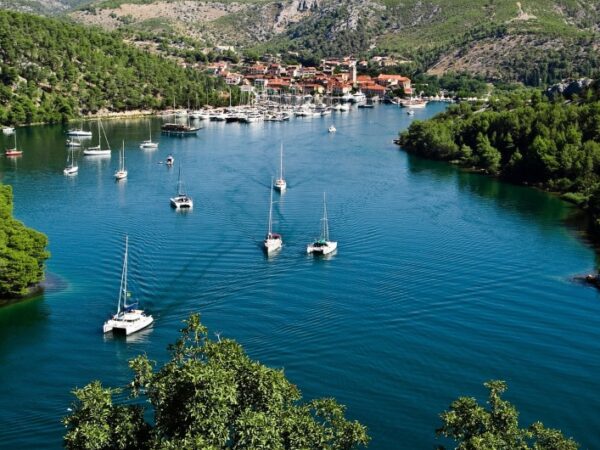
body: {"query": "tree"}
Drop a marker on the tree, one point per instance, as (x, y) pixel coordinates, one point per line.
(209, 395)
(474, 427)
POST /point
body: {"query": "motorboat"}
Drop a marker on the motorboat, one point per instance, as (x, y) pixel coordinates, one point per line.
(332, 129)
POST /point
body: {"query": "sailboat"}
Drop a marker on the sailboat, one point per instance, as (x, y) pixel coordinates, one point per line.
(14, 151)
(280, 183)
(128, 318)
(71, 168)
(148, 144)
(272, 240)
(121, 173)
(181, 200)
(98, 150)
(322, 246)
(79, 132)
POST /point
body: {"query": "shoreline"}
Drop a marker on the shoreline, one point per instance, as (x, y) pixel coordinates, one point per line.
(588, 233)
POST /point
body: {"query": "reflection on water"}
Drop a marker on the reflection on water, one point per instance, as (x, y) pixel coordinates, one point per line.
(436, 267)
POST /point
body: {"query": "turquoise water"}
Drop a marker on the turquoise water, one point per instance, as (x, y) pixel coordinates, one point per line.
(442, 279)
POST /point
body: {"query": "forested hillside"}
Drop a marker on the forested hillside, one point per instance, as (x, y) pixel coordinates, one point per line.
(51, 71)
(527, 138)
(533, 41)
(22, 251)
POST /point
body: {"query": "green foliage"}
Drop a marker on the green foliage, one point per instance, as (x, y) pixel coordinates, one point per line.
(523, 137)
(475, 427)
(209, 395)
(22, 251)
(52, 71)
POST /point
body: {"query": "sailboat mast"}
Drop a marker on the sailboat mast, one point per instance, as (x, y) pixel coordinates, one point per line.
(281, 162)
(179, 182)
(271, 210)
(125, 272)
(325, 224)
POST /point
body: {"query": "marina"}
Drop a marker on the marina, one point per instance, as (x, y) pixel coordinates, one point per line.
(430, 293)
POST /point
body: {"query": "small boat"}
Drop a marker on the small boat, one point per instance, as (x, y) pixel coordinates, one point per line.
(98, 150)
(366, 105)
(128, 318)
(410, 112)
(79, 132)
(14, 151)
(121, 173)
(179, 129)
(71, 168)
(280, 183)
(148, 144)
(359, 97)
(170, 160)
(181, 200)
(322, 246)
(345, 107)
(273, 241)
(8, 130)
(332, 129)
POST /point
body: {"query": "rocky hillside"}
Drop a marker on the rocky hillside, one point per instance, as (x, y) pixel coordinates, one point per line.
(534, 41)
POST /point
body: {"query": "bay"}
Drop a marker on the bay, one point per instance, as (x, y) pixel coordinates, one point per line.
(442, 280)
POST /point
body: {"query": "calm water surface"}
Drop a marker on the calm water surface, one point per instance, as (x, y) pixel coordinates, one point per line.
(442, 279)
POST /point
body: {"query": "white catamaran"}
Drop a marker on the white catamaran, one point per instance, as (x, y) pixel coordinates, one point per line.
(280, 183)
(181, 200)
(273, 241)
(128, 318)
(323, 246)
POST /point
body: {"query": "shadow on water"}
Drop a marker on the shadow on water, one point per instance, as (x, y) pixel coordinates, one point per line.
(539, 207)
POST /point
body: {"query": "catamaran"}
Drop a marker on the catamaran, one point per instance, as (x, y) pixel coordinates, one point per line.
(128, 318)
(280, 183)
(273, 241)
(181, 200)
(121, 173)
(71, 168)
(98, 150)
(322, 246)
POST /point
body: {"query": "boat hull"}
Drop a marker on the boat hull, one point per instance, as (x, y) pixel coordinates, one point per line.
(71, 170)
(127, 323)
(326, 249)
(272, 245)
(182, 202)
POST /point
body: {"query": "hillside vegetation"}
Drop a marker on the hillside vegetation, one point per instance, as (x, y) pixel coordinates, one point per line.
(22, 251)
(526, 138)
(533, 41)
(51, 71)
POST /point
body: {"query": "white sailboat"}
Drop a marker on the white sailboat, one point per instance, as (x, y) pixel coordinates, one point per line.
(128, 318)
(98, 150)
(280, 183)
(79, 132)
(148, 144)
(181, 200)
(322, 246)
(273, 241)
(71, 168)
(121, 173)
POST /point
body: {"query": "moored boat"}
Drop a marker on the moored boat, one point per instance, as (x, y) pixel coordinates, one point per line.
(322, 246)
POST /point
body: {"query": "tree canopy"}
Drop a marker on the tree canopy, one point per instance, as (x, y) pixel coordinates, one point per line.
(526, 137)
(22, 251)
(473, 427)
(209, 395)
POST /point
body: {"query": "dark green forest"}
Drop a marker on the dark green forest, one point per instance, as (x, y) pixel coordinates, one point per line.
(22, 251)
(524, 137)
(52, 71)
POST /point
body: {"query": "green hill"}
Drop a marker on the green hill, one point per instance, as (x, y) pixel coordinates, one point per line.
(51, 70)
(534, 41)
